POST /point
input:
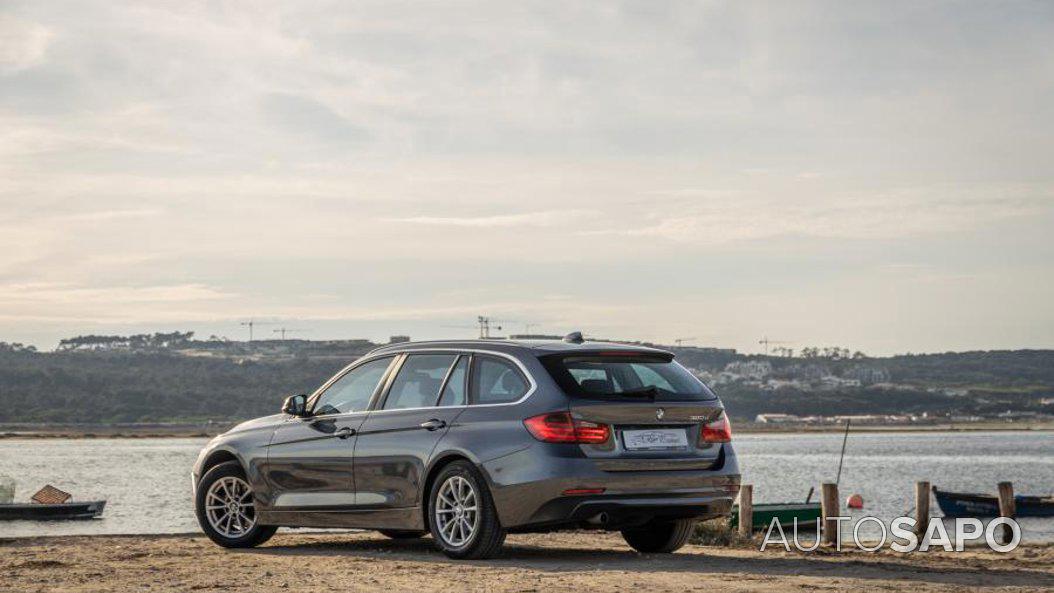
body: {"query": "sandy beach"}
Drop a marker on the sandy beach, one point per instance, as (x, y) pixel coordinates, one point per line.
(551, 562)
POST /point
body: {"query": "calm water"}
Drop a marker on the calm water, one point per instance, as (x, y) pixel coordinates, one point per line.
(147, 481)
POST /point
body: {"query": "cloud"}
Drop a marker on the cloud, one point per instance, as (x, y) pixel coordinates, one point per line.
(886, 215)
(76, 304)
(307, 118)
(63, 293)
(110, 215)
(544, 218)
(37, 302)
(647, 162)
(23, 45)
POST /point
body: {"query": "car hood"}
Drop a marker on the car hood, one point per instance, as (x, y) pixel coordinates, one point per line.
(262, 422)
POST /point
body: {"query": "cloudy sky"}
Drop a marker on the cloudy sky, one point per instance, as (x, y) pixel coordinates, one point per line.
(878, 176)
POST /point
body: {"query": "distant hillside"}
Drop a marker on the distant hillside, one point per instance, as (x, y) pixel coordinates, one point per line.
(982, 383)
(127, 387)
(173, 378)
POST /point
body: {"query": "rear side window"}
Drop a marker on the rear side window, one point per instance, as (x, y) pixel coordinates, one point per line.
(454, 394)
(600, 376)
(418, 382)
(496, 381)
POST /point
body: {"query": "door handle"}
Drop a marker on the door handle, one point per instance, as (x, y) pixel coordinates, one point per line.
(344, 433)
(433, 424)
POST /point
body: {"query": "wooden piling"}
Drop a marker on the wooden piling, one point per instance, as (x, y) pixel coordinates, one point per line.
(1007, 508)
(746, 510)
(922, 507)
(829, 509)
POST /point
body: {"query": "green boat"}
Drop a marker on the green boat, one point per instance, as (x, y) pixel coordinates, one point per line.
(806, 512)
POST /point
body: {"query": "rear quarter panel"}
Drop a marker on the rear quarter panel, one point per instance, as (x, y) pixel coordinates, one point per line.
(495, 439)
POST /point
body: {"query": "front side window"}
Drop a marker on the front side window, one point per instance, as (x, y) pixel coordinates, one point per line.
(419, 380)
(352, 392)
(497, 381)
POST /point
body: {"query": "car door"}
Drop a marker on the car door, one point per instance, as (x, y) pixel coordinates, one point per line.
(397, 439)
(309, 461)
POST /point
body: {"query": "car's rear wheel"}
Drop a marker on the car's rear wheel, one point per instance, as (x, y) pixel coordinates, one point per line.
(462, 516)
(401, 534)
(660, 537)
(226, 510)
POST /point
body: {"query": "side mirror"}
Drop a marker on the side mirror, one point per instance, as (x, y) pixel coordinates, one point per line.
(295, 405)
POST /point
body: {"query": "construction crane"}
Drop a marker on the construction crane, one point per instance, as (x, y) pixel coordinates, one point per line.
(484, 324)
(288, 330)
(681, 341)
(766, 342)
(252, 323)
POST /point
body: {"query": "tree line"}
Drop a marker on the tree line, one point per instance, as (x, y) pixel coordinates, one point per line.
(137, 342)
(145, 378)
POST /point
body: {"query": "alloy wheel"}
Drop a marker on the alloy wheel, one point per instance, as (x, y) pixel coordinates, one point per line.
(457, 511)
(229, 507)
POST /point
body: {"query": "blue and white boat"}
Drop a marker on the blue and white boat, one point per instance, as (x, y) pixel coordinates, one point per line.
(960, 504)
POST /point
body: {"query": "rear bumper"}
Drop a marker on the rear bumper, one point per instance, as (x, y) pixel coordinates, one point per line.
(615, 511)
(528, 488)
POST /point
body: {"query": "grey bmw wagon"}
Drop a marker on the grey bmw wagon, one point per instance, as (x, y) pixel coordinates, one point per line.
(471, 440)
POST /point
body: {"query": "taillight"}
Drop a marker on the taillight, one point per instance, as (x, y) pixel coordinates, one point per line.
(560, 427)
(717, 431)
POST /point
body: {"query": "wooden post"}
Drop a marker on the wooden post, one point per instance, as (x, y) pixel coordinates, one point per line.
(746, 510)
(922, 508)
(829, 509)
(1007, 508)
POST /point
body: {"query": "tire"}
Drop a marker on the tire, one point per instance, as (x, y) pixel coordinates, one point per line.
(485, 536)
(215, 487)
(401, 534)
(660, 537)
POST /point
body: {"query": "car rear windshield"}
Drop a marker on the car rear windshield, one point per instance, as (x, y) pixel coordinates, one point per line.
(625, 376)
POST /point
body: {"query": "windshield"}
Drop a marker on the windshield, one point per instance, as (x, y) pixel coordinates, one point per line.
(599, 376)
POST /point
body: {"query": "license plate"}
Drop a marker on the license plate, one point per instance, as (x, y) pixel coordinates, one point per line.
(657, 438)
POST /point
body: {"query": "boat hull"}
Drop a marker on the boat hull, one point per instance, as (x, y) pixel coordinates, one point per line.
(962, 504)
(805, 513)
(66, 511)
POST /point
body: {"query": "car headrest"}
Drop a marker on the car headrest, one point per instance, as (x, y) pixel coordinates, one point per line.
(510, 382)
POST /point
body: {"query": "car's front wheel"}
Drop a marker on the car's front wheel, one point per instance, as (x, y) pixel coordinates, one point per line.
(660, 536)
(226, 510)
(462, 516)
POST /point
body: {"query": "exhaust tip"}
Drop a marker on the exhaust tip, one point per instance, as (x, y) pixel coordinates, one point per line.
(599, 519)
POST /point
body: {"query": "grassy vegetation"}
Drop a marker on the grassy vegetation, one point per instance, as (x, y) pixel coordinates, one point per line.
(718, 532)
